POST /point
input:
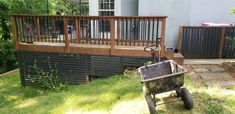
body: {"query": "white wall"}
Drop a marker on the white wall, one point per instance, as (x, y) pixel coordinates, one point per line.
(187, 12)
(217, 11)
(93, 7)
(129, 7)
(176, 10)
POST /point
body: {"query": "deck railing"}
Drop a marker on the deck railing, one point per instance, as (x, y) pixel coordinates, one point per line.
(97, 30)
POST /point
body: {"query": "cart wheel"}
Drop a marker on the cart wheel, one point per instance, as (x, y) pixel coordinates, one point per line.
(178, 92)
(149, 100)
(187, 98)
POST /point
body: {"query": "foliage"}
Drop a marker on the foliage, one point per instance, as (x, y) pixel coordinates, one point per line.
(7, 55)
(46, 80)
(233, 10)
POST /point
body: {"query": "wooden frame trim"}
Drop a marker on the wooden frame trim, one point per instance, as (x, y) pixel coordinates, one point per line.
(180, 38)
(222, 43)
(13, 20)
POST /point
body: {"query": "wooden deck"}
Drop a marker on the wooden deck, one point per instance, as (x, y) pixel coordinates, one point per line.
(92, 35)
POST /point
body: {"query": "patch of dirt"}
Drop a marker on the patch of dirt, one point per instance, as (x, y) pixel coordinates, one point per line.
(229, 67)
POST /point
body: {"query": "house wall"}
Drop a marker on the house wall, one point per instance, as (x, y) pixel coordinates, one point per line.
(174, 9)
(122, 7)
(186, 12)
(93, 7)
(216, 11)
(129, 7)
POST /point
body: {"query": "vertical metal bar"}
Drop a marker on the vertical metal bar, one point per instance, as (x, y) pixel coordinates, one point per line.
(38, 28)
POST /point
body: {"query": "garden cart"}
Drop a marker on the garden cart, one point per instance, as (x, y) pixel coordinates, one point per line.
(163, 77)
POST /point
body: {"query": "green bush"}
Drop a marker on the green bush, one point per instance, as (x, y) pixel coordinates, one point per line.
(7, 55)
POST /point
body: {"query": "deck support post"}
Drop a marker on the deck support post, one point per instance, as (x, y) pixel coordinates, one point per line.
(112, 36)
(163, 30)
(180, 38)
(77, 21)
(13, 20)
(66, 34)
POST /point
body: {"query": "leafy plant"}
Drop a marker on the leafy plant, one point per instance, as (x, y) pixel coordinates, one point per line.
(7, 55)
(46, 80)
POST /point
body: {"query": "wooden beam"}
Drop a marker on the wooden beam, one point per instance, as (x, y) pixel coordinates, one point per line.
(90, 51)
(180, 38)
(118, 31)
(13, 20)
(112, 35)
(41, 48)
(65, 19)
(77, 30)
(38, 28)
(222, 38)
(163, 30)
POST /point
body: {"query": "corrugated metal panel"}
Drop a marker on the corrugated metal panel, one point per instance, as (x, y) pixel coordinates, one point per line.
(73, 68)
(204, 42)
(229, 50)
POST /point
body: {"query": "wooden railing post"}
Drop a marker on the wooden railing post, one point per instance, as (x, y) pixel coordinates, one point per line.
(118, 31)
(112, 34)
(77, 30)
(13, 20)
(222, 42)
(163, 30)
(38, 28)
(65, 19)
(180, 38)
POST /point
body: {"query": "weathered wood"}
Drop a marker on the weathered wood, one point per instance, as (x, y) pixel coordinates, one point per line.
(112, 35)
(163, 29)
(222, 42)
(118, 31)
(13, 20)
(180, 38)
(65, 19)
(77, 30)
(38, 28)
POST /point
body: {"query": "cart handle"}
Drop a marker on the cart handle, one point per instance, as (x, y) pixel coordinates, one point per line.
(150, 48)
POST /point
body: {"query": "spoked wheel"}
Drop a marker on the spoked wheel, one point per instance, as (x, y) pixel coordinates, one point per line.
(150, 101)
(187, 98)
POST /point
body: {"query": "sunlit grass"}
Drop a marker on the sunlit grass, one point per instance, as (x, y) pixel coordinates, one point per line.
(119, 94)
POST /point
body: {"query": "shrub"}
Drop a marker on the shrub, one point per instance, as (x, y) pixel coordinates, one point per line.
(46, 80)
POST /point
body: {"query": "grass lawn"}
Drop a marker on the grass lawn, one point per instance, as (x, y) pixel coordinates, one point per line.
(120, 94)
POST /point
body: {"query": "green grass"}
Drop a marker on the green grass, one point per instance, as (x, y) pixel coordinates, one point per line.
(118, 94)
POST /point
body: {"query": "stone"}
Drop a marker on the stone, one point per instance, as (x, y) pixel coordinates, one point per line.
(225, 84)
(204, 66)
(216, 69)
(216, 76)
(201, 70)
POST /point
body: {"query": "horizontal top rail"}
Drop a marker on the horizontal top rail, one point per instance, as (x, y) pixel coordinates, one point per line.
(125, 17)
(207, 26)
